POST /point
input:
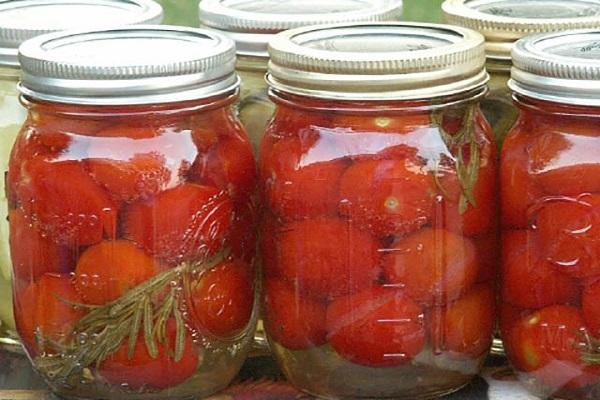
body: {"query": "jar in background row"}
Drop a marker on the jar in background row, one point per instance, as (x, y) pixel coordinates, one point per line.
(550, 184)
(251, 24)
(503, 22)
(379, 238)
(132, 213)
(19, 21)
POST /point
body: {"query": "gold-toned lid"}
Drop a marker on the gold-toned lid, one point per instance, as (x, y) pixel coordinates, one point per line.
(503, 22)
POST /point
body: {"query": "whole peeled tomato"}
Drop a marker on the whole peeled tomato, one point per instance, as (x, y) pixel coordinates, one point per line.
(295, 322)
(327, 257)
(465, 327)
(222, 299)
(395, 123)
(68, 205)
(377, 327)
(389, 197)
(108, 270)
(301, 178)
(181, 224)
(141, 370)
(590, 305)
(434, 266)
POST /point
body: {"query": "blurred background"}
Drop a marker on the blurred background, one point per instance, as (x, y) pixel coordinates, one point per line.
(185, 12)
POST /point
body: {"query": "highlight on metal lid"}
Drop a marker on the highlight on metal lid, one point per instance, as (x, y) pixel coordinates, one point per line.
(252, 23)
(21, 20)
(561, 67)
(377, 61)
(128, 65)
(503, 22)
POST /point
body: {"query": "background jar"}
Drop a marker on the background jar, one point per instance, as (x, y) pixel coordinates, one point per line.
(19, 21)
(251, 24)
(550, 218)
(132, 214)
(379, 232)
(503, 22)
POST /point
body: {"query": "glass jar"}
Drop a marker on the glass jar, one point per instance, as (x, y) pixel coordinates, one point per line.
(251, 24)
(19, 21)
(132, 214)
(503, 22)
(379, 232)
(550, 186)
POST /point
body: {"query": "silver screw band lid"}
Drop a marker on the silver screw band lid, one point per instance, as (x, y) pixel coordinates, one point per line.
(561, 67)
(503, 22)
(252, 23)
(377, 61)
(129, 65)
(21, 20)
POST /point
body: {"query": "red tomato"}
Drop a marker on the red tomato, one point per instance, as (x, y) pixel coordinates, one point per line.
(185, 223)
(378, 327)
(52, 120)
(327, 257)
(548, 344)
(32, 253)
(435, 266)
(222, 299)
(43, 307)
(488, 252)
(518, 241)
(519, 191)
(465, 327)
(269, 240)
(590, 304)
(569, 234)
(530, 281)
(390, 197)
(66, 202)
(399, 123)
(509, 318)
(143, 371)
(228, 165)
(293, 321)
(289, 121)
(243, 233)
(301, 179)
(110, 269)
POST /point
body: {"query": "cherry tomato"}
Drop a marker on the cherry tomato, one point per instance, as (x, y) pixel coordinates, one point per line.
(301, 179)
(228, 165)
(327, 257)
(108, 270)
(222, 299)
(435, 266)
(43, 307)
(293, 321)
(143, 371)
(518, 190)
(465, 327)
(549, 343)
(530, 281)
(66, 202)
(188, 222)
(377, 327)
(32, 253)
(590, 304)
(390, 197)
(569, 234)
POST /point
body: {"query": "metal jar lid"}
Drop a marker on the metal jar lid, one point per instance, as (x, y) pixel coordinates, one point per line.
(503, 22)
(252, 23)
(561, 67)
(130, 65)
(377, 61)
(21, 20)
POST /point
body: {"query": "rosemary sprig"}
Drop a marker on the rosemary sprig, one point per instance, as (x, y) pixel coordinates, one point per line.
(467, 171)
(140, 311)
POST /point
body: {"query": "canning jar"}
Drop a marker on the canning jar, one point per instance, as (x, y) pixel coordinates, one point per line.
(19, 21)
(132, 213)
(378, 239)
(550, 316)
(251, 24)
(503, 22)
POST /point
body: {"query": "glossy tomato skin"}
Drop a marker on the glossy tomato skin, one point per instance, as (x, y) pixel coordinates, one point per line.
(550, 217)
(133, 231)
(370, 214)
